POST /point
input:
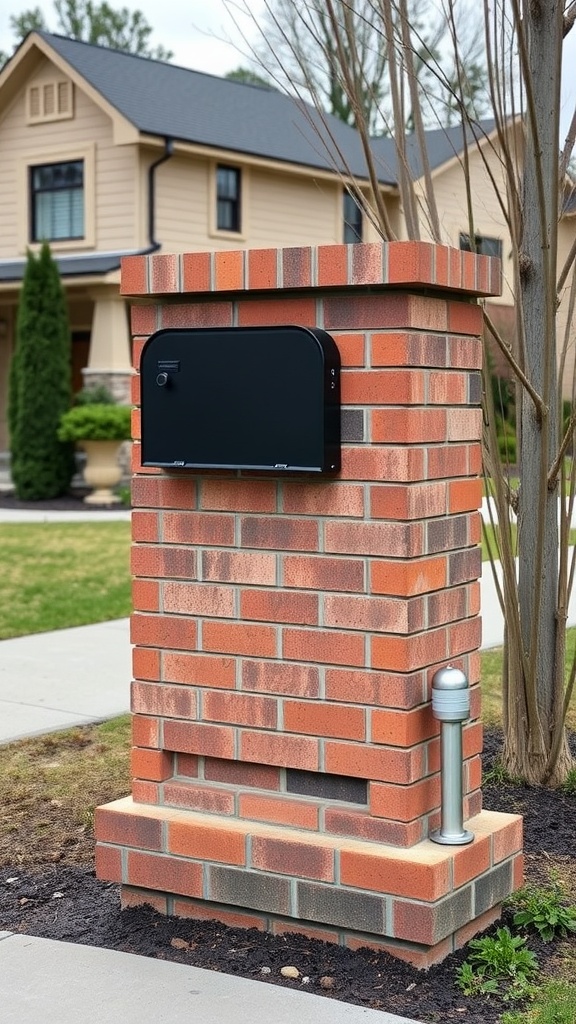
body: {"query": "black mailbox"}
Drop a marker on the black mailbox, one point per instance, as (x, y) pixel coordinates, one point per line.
(265, 398)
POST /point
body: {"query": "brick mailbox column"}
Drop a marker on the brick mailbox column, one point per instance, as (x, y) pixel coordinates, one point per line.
(287, 628)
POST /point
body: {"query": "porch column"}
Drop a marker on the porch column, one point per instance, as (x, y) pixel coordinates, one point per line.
(109, 362)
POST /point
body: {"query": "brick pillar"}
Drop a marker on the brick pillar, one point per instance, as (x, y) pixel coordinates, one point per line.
(286, 628)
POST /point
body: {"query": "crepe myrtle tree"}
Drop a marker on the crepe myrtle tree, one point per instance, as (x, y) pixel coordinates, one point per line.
(526, 163)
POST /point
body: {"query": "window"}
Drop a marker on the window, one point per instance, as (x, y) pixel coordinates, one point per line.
(485, 246)
(352, 219)
(50, 101)
(227, 198)
(57, 201)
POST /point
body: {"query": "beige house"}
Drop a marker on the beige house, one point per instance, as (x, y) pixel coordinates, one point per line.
(103, 153)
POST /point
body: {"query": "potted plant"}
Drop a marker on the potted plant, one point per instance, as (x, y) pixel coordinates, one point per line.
(99, 429)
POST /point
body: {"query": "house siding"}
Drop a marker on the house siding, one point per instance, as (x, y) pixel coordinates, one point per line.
(114, 172)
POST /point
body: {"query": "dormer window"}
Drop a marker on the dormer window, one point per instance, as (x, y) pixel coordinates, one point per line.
(50, 101)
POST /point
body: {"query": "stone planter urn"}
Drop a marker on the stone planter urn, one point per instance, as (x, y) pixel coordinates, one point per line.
(102, 471)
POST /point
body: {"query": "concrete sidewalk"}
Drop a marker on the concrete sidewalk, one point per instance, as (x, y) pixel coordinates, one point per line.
(44, 981)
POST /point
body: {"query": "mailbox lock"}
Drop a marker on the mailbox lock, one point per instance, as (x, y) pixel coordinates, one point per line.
(162, 380)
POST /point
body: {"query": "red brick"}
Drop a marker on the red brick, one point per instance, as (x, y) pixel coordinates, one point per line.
(144, 527)
(368, 312)
(193, 738)
(278, 677)
(241, 773)
(404, 803)
(187, 764)
(351, 348)
(232, 495)
(296, 267)
(339, 720)
(145, 731)
(507, 840)
(408, 501)
(145, 595)
(272, 312)
(239, 567)
(302, 860)
(447, 388)
(198, 528)
(135, 425)
(144, 792)
(279, 533)
(320, 573)
(229, 270)
(324, 646)
(360, 825)
(406, 653)
(376, 871)
(134, 395)
(278, 810)
(138, 343)
(380, 763)
(411, 263)
(166, 874)
(148, 560)
(206, 842)
(518, 871)
(327, 498)
(279, 606)
(464, 495)
(144, 321)
(145, 663)
(471, 861)
(421, 957)
(408, 578)
(290, 928)
(403, 728)
(163, 700)
(262, 268)
(198, 599)
(382, 387)
(240, 709)
(465, 353)
(447, 605)
(464, 318)
(108, 863)
(367, 259)
(126, 829)
(399, 540)
(206, 799)
(164, 492)
(134, 898)
(464, 425)
(398, 348)
(134, 275)
(285, 751)
(464, 636)
(239, 638)
(197, 314)
(374, 614)
(213, 912)
(403, 464)
(376, 688)
(332, 265)
(198, 669)
(196, 271)
(154, 765)
(479, 924)
(164, 273)
(163, 631)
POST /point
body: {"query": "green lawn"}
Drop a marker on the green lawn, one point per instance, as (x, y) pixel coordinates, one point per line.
(56, 575)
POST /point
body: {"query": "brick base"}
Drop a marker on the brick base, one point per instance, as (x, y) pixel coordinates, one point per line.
(418, 904)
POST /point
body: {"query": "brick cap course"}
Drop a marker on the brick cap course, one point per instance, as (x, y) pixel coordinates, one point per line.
(373, 264)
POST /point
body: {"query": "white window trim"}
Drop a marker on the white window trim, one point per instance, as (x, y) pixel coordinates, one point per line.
(86, 153)
(213, 230)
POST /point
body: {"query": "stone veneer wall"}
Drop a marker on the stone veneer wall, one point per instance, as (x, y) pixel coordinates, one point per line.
(287, 628)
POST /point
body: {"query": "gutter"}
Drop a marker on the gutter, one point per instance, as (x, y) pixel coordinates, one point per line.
(168, 152)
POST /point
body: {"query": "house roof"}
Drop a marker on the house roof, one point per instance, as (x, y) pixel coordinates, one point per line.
(68, 266)
(165, 100)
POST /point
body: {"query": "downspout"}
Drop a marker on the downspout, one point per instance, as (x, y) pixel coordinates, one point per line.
(168, 152)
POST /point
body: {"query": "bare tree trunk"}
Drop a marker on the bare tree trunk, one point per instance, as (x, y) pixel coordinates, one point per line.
(536, 695)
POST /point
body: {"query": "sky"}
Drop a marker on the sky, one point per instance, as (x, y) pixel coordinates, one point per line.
(197, 30)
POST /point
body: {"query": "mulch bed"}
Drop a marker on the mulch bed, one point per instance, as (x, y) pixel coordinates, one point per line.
(67, 902)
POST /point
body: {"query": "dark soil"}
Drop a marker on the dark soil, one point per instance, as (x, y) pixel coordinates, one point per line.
(66, 902)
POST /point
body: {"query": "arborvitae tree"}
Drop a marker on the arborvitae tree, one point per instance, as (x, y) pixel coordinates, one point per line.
(40, 384)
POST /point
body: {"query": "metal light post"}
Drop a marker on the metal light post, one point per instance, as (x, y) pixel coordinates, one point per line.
(451, 706)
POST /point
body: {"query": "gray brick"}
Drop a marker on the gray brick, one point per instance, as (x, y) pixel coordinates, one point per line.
(326, 787)
(352, 424)
(493, 887)
(341, 907)
(253, 889)
(452, 913)
(475, 388)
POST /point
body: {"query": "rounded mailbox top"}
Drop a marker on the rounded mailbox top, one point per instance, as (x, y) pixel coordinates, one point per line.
(449, 678)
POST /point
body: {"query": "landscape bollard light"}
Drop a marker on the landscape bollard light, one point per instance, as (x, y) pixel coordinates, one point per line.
(451, 706)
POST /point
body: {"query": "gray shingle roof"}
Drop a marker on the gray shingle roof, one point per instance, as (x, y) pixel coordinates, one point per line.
(69, 266)
(170, 101)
